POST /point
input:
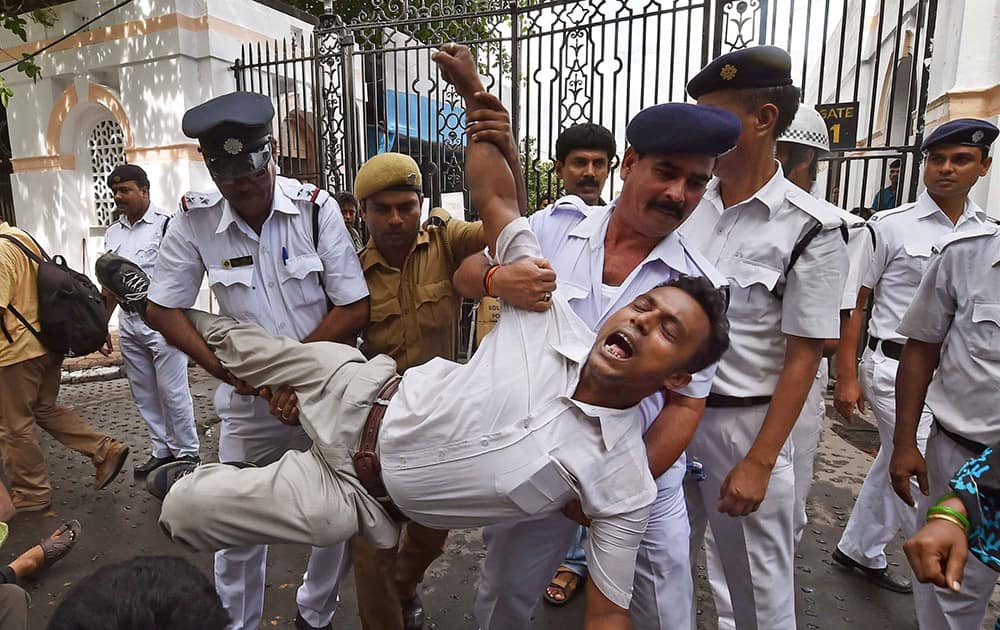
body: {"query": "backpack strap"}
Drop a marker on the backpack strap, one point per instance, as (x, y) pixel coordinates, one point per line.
(163, 231)
(315, 225)
(10, 307)
(27, 252)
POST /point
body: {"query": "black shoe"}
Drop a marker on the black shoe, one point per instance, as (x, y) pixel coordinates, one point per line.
(413, 613)
(880, 577)
(193, 459)
(125, 280)
(302, 624)
(153, 462)
(160, 480)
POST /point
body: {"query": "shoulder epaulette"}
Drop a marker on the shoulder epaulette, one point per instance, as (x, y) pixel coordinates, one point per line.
(437, 217)
(822, 211)
(993, 220)
(882, 214)
(297, 191)
(986, 230)
(193, 200)
(571, 203)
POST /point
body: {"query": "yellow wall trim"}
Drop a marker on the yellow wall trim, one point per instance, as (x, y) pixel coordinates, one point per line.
(983, 103)
(43, 163)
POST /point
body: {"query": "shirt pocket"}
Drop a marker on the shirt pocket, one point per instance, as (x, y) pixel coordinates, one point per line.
(536, 485)
(915, 261)
(234, 290)
(436, 305)
(298, 279)
(984, 335)
(751, 285)
(382, 334)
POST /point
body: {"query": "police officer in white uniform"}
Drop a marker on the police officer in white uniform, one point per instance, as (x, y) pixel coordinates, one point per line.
(605, 256)
(904, 237)
(951, 360)
(156, 371)
(277, 254)
(784, 255)
(799, 149)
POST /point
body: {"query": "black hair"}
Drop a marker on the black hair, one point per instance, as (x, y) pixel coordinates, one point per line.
(585, 136)
(345, 198)
(897, 163)
(162, 592)
(714, 302)
(799, 153)
(784, 97)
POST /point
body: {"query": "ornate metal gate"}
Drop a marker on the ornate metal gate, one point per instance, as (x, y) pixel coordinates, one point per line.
(354, 90)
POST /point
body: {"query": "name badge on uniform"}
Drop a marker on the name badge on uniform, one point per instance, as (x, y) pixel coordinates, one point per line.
(242, 261)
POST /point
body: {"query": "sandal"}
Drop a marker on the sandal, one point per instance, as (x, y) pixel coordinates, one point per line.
(56, 546)
(565, 587)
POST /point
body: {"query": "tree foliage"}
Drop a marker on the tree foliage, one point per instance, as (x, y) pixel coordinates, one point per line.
(13, 18)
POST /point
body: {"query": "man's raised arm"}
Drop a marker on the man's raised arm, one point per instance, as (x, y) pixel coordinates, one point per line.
(490, 180)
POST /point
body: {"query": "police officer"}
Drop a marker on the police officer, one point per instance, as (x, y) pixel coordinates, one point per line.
(904, 238)
(950, 365)
(156, 370)
(786, 261)
(798, 150)
(414, 318)
(276, 253)
(606, 256)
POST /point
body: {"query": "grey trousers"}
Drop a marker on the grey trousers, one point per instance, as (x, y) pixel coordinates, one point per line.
(13, 607)
(310, 497)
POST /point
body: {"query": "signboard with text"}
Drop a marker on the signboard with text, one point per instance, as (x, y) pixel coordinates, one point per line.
(842, 124)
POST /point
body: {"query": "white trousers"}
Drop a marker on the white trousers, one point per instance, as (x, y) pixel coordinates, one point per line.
(805, 438)
(805, 441)
(941, 608)
(879, 514)
(249, 433)
(157, 375)
(755, 551)
(522, 557)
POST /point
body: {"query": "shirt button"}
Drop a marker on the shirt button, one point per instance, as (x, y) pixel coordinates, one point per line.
(441, 455)
(526, 423)
(720, 231)
(270, 285)
(264, 251)
(281, 326)
(484, 442)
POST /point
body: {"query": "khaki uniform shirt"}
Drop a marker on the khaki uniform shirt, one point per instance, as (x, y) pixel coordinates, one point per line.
(415, 310)
(18, 286)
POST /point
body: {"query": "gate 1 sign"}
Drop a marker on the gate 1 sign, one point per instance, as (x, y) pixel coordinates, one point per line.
(842, 123)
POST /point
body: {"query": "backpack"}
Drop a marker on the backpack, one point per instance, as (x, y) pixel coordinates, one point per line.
(71, 312)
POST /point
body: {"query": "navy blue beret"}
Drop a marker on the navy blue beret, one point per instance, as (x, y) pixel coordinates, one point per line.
(683, 128)
(128, 173)
(968, 131)
(232, 123)
(756, 67)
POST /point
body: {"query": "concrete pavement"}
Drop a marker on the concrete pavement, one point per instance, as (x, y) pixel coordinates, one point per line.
(120, 522)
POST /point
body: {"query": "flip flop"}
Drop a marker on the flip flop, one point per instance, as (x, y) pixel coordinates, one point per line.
(56, 546)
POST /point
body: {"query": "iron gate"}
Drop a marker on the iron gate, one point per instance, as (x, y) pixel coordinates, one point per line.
(350, 91)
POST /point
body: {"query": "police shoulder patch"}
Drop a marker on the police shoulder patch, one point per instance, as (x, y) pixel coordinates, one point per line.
(891, 212)
(194, 200)
(986, 230)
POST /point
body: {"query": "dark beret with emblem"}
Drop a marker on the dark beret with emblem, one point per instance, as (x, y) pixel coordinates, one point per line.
(756, 67)
(128, 173)
(683, 128)
(968, 131)
(233, 131)
(387, 171)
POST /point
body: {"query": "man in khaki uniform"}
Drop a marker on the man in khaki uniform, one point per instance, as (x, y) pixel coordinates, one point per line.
(29, 386)
(414, 318)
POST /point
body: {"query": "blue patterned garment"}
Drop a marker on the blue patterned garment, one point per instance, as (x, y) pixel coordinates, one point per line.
(977, 484)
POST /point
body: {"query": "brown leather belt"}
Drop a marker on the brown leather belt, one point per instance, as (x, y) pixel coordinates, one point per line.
(366, 463)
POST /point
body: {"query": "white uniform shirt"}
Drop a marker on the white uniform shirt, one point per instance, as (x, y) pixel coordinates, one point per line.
(859, 255)
(501, 439)
(904, 237)
(571, 235)
(958, 303)
(751, 243)
(271, 279)
(140, 241)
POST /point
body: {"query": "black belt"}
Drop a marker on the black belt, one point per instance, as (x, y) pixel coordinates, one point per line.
(891, 349)
(721, 400)
(964, 442)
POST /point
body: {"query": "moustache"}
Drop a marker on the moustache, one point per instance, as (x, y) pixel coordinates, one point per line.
(675, 209)
(588, 181)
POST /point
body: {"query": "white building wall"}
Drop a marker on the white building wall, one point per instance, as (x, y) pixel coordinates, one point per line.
(143, 65)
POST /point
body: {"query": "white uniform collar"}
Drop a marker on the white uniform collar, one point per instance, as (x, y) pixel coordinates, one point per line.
(926, 206)
(144, 218)
(594, 227)
(771, 194)
(280, 203)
